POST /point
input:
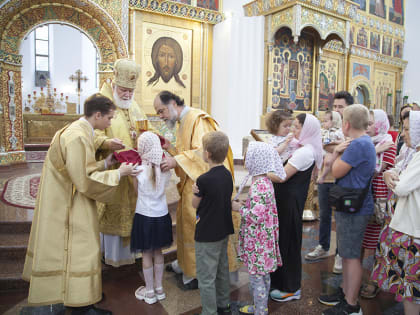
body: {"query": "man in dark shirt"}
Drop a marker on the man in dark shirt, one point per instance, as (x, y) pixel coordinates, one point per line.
(212, 198)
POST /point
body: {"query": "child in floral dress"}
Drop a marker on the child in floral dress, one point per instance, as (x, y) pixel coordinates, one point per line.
(259, 230)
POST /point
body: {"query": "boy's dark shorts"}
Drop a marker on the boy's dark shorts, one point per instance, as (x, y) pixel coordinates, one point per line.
(350, 232)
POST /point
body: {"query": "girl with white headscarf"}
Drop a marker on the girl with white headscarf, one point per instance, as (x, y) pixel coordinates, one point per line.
(152, 224)
(291, 194)
(258, 234)
(397, 267)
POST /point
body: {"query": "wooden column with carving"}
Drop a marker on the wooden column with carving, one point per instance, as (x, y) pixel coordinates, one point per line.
(11, 143)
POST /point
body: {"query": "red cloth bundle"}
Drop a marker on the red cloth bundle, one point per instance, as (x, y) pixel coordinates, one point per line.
(129, 156)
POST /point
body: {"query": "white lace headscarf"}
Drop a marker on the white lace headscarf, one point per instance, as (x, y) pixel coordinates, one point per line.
(261, 158)
(150, 150)
(414, 119)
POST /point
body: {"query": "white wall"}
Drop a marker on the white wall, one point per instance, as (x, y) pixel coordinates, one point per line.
(70, 50)
(411, 51)
(238, 67)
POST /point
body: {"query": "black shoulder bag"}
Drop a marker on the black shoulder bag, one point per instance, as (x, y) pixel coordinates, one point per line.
(348, 200)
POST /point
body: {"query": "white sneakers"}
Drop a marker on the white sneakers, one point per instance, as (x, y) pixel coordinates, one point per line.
(317, 253)
(338, 265)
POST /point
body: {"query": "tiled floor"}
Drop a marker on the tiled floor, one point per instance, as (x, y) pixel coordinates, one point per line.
(119, 285)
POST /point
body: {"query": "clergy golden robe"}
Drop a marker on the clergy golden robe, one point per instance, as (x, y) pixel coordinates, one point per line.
(193, 126)
(63, 258)
(116, 216)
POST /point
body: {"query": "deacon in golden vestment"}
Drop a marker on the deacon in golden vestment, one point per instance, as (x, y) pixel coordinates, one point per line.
(116, 216)
(189, 164)
(63, 261)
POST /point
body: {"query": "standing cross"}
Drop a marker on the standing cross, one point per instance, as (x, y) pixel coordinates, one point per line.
(78, 77)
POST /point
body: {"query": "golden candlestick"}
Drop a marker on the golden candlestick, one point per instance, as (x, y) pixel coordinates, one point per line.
(142, 125)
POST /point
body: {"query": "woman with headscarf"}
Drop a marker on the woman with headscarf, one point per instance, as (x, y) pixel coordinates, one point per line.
(378, 131)
(400, 139)
(397, 267)
(291, 193)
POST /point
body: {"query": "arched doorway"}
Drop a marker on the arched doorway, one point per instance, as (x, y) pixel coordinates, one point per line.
(18, 19)
(361, 95)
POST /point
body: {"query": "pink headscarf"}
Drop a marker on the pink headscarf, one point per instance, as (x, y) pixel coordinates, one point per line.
(381, 127)
(150, 150)
(381, 134)
(311, 136)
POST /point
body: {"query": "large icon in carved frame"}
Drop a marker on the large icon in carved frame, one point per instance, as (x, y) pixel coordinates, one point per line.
(396, 12)
(377, 7)
(166, 61)
(328, 81)
(290, 67)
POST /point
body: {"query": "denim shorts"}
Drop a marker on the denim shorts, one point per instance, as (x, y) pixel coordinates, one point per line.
(350, 229)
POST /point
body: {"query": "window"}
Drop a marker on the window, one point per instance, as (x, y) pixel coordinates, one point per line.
(42, 58)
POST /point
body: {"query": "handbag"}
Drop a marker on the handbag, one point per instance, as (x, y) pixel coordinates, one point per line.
(348, 200)
(379, 210)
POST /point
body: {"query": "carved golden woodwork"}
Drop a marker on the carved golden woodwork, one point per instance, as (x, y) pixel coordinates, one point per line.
(40, 129)
(346, 36)
(104, 22)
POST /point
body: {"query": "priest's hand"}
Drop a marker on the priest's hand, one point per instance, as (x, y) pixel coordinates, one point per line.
(129, 169)
(115, 144)
(167, 163)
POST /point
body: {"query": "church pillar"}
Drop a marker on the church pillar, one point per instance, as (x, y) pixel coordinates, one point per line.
(11, 133)
(105, 72)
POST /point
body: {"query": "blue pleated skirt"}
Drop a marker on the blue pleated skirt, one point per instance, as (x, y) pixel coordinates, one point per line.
(149, 233)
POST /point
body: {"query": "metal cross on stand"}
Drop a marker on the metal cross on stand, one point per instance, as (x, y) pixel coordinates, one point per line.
(78, 77)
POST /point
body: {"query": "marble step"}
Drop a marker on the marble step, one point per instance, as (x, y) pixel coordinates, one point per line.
(12, 227)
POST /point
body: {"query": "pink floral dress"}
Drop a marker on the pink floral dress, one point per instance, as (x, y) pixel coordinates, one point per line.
(259, 230)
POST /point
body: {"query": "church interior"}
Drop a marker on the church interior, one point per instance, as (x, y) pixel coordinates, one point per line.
(236, 60)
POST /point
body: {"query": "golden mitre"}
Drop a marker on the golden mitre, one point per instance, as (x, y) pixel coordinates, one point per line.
(126, 73)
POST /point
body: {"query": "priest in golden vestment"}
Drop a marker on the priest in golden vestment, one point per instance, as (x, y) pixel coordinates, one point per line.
(189, 164)
(63, 263)
(116, 216)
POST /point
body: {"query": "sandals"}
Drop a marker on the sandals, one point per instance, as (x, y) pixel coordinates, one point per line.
(367, 292)
(160, 294)
(148, 296)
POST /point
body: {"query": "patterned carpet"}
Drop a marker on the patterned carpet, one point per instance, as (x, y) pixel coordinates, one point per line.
(21, 191)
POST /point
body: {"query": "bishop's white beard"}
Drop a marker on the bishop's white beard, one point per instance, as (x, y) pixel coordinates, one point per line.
(124, 104)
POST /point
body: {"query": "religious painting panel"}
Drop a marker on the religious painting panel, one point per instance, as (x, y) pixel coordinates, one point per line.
(362, 38)
(167, 57)
(208, 4)
(377, 7)
(386, 45)
(351, 36)
(291, 69)
(183, 1)
(375, 41)
(396, 12)
(362, 4)
(384, 86)
(361, 70)
(398, 48)
(328, 82)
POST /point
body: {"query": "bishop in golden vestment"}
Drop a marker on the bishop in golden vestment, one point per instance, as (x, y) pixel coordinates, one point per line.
(116, 216)
(63, 258)
(189, 164)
